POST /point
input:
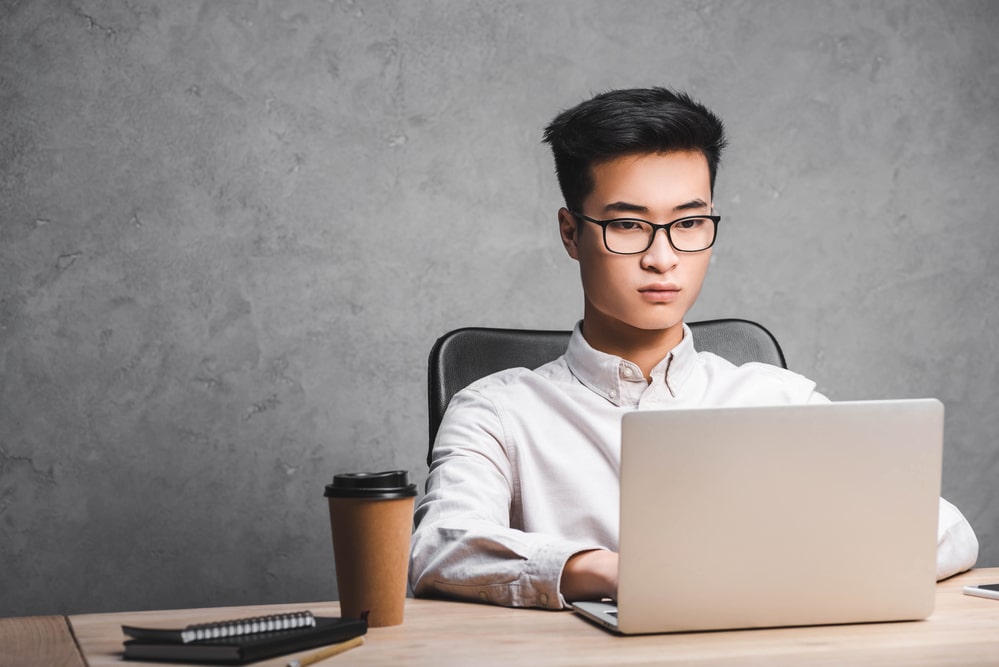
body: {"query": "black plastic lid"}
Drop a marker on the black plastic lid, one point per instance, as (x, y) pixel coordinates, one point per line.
(373, 485)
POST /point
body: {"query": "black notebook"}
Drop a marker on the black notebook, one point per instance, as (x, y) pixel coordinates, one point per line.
(238, 650)
(228, 628)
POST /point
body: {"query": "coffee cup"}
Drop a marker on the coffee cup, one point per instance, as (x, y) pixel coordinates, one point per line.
(371, 518)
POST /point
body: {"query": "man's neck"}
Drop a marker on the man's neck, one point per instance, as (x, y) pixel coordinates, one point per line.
(644, 348)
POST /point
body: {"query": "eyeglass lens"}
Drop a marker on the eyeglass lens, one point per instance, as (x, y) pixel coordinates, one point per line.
(633, 236)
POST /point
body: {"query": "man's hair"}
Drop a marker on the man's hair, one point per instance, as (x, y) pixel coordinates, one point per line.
(629, 122)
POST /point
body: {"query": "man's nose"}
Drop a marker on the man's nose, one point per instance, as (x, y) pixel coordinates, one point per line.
(660, 255)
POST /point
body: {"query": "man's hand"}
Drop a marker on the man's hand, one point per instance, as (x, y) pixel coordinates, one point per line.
(590, 575)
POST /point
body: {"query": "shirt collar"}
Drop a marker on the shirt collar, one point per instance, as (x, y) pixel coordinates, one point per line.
(619, 380)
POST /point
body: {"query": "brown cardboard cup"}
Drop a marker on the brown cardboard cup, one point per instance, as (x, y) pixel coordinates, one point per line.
(371, 517)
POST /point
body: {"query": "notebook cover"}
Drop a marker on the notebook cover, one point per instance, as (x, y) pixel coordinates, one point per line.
(249, 648)
(229, 628)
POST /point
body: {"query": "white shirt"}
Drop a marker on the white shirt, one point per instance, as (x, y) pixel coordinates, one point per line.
(525, 469)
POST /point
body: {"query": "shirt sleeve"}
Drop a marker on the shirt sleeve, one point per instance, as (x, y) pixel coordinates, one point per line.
(957, 545)
(463, 545)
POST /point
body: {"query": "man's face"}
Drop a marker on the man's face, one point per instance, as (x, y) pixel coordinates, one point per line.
(653, 290)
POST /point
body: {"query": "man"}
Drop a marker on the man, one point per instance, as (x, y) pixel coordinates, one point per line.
(525, 466)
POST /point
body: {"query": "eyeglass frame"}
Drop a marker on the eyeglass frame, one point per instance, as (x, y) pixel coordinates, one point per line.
(655, 229)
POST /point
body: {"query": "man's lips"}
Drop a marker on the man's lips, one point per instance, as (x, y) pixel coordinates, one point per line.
(660, 292)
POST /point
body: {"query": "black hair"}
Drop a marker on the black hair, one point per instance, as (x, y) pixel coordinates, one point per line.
(629, 122)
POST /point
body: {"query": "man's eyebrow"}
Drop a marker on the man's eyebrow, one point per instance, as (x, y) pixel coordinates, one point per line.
(627, 207)
(692, 204)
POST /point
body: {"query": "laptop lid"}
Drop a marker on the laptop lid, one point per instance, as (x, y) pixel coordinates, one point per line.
(772, 516)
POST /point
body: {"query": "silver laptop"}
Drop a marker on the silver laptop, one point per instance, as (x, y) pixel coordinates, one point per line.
(777, 516)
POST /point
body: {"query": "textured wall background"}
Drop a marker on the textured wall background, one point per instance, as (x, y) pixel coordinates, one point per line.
(231, 231)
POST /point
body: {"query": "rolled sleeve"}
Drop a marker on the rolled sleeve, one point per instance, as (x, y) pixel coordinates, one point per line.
(463, 545)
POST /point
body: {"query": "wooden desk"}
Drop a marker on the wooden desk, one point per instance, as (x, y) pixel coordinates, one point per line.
(963, 630)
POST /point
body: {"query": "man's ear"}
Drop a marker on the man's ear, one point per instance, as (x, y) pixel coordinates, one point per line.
(568, 228)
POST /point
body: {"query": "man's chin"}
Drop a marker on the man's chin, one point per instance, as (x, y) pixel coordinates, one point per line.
(659, 321)
(640, 321)
(657, 326)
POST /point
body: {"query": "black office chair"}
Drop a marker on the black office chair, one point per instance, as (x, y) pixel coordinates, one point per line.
(462, 356)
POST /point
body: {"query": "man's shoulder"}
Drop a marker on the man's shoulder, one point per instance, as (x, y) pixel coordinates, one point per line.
(515, 388)
(496, 402)
(763, 377)
(513, 380)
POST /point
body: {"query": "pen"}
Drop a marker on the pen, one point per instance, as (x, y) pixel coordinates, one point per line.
(327, 652)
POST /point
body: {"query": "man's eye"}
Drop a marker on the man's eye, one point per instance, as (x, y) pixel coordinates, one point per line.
(624, 225)
(692, 223)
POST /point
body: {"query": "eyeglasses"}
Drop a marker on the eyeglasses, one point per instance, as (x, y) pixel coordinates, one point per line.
(630, 236)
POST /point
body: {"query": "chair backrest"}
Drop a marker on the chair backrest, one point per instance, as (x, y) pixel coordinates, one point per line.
(462, 356)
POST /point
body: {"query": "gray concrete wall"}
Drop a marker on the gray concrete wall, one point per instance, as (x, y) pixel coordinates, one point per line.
(231, 231)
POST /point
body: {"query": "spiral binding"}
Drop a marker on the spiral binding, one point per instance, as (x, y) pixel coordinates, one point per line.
(247, 626)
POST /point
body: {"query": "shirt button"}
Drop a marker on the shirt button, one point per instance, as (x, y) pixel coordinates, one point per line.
(612, 393)
(627, 372)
